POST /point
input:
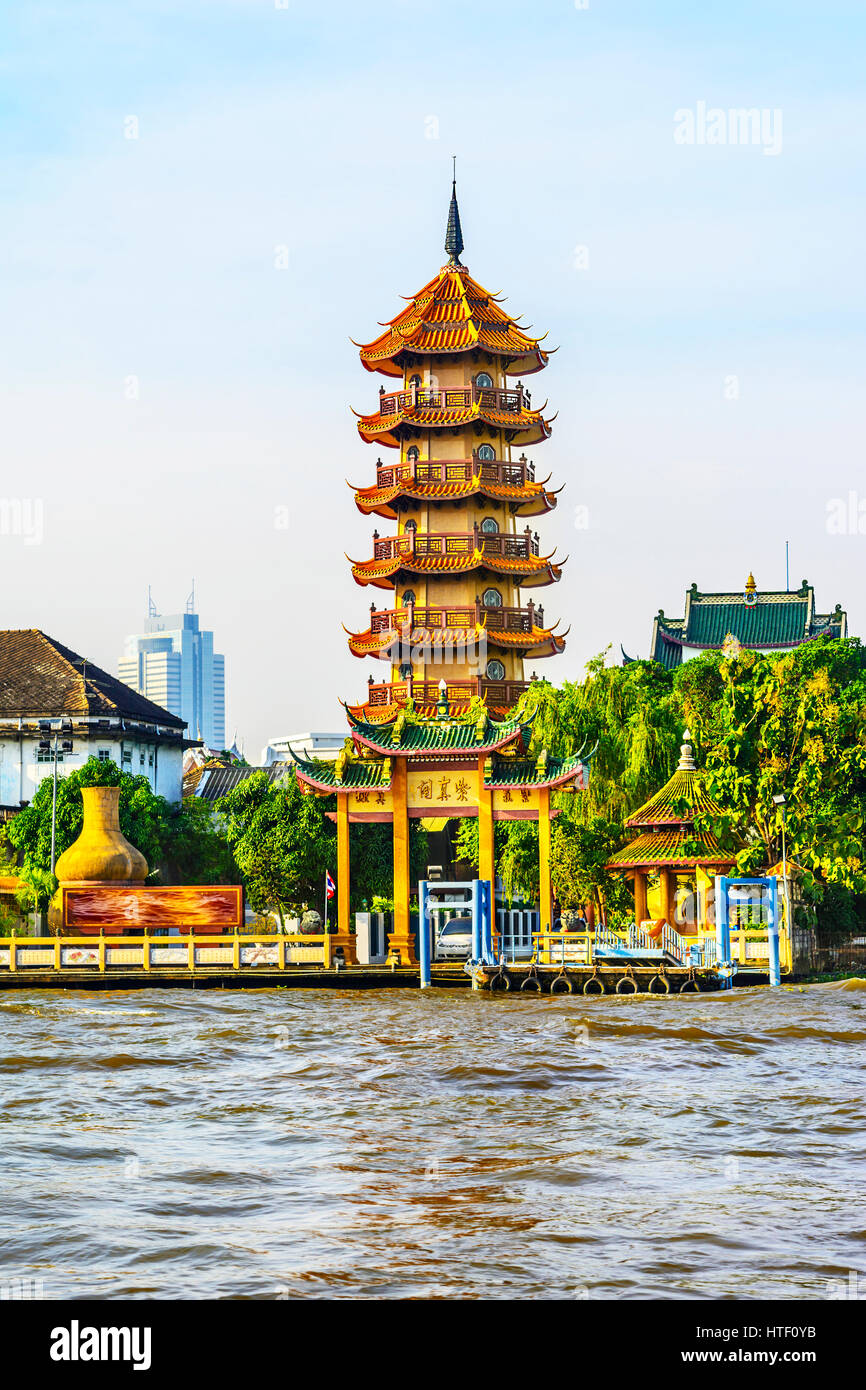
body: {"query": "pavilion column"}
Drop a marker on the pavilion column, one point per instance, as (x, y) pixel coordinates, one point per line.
(640, 906)
(486, 853)
(343, 937)
(666, 895)
(590, 915)
(545, 896)
(399, 939)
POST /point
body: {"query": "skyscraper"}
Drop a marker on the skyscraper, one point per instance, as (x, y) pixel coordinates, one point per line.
(174, 664)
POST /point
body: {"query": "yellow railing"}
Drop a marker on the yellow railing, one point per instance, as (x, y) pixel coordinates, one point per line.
(113, 953)
(563, 948)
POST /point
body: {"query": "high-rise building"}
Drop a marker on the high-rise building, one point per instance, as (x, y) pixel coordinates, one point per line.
(174, 664)
(462, 549)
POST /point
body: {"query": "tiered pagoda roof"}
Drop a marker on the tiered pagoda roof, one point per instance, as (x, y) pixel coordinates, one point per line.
(405, 414)
(474, 553)
(453, 314)
(534, 641)
(666, 823)
(434, 482)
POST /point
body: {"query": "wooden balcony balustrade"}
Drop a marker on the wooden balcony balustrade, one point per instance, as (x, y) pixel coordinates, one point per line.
(512, 400)
(502, 694)
(509, 545)
(414, 618)
(500, 471)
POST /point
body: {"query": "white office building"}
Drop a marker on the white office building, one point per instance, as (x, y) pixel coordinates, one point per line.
(173, 663)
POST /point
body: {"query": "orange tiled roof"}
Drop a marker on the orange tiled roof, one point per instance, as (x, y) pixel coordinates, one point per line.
(534, 498)
(540, 642)
(533, 571)
(525, 427)
(453, 314)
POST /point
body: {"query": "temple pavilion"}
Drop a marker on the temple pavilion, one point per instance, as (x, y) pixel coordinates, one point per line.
(447, 734)
(671, 863)
(458, 507)
(761, 620)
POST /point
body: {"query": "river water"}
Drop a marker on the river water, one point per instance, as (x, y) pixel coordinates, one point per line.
(315, 1143)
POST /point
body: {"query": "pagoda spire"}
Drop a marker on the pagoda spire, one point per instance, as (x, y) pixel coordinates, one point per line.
(453, 232)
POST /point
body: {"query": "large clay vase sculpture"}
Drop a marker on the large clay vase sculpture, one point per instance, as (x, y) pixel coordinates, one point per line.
(101, 854)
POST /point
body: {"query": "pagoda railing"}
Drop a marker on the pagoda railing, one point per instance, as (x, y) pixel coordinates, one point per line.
(410, 542)
(456, 471)
(513, 400)
(502, 694)
(414, 619)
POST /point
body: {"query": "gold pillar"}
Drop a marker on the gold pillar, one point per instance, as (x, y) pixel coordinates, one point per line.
(640, 907)
(486, 853)
(666, 895)
(545, 897)
(343, 937)
(400, 939)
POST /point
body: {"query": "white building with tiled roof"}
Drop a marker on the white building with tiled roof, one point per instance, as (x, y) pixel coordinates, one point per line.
(46, 689)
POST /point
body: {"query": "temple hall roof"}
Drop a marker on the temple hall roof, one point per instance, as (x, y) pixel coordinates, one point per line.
(758, 620)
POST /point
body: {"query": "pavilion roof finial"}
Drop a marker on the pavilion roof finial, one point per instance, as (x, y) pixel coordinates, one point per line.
(453, 232)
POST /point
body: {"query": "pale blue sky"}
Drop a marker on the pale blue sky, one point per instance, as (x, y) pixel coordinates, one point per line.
(308, 127)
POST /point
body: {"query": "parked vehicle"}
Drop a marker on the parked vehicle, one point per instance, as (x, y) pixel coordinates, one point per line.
(454, 941)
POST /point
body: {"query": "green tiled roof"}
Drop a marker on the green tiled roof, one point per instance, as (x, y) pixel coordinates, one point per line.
(520, 772)
(345, 774)
(775, 621)
(678, 803)
(662, 848)
(477, 735)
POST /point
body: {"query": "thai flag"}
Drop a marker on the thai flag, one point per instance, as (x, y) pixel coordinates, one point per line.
(330, 886)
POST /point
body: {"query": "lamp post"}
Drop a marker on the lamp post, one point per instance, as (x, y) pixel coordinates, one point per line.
(45, 746)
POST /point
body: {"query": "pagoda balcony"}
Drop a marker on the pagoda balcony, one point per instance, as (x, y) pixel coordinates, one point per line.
(461, 470)
(509, 546)
(514, 400)
(498, 694)
(413, 617)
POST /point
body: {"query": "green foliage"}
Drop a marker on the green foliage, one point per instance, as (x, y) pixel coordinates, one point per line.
(792, 725)
(143, 816)
(180, 844)
(281, 842)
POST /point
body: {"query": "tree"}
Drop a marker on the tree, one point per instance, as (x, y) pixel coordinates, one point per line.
(629, 720)
(791, 725)
(281, 841)
(175, 841)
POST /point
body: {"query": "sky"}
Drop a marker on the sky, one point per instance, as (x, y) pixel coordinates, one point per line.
(202, 201)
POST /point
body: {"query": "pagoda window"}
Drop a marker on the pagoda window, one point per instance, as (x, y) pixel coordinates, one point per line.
(491, 598)
(490, 526)
(415, 380)
(409, 597)
(484, 379)
(411, 525)
(495, 671)
(412, 454)
(487, 453)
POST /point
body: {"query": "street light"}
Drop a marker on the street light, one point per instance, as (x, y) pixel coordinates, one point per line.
(780, 800)
(45, 727)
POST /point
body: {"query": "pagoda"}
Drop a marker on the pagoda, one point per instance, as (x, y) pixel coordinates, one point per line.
(440, 740)
(668, 845)
(461, 546)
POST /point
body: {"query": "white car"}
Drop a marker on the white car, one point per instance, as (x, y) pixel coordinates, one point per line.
(454, 941)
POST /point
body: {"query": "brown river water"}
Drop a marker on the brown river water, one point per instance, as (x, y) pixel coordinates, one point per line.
(288, 1143)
